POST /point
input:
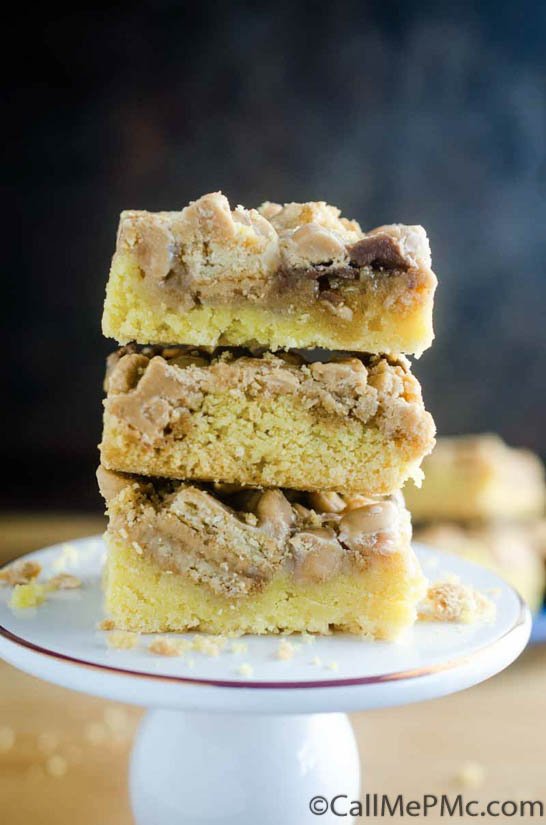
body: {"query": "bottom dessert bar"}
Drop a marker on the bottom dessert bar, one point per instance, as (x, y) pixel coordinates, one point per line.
(227, 560)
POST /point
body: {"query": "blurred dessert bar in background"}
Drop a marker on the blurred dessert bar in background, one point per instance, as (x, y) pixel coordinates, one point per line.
(485, 500)
(296, 275)
(478, 477)
(348, 423)
(232, 560)
(514, 551)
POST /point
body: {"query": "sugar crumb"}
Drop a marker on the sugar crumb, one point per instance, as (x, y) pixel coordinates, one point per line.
(27, 595)
(96, 733)
(19, 572)
(163, 646)
(285, 650)
(116, 719)
(209, 645)
(316, 660)
(7, 738)
(332, 665)
(245, 670)
(68, 557)
(63, 581)
(56, 766)
(471, 775)
(122, 640)
(106, 624)
(239, 647)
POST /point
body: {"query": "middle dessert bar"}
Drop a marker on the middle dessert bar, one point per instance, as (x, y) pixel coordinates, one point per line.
(356, 424)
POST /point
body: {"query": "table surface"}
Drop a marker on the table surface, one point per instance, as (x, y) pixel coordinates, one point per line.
(63, 755)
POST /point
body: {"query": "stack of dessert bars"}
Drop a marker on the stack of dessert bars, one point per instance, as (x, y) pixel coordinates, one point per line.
(261, 418)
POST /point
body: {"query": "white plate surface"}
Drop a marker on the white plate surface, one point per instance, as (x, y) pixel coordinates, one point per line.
(58, 642)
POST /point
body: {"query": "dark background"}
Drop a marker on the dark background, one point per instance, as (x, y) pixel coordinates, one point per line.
(412, 112)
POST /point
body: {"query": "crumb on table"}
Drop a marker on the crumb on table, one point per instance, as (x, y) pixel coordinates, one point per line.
(7, 738)
(471, 775)
(56, 766)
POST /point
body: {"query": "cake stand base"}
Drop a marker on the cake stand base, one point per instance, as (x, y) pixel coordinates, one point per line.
(189, 768)
(248, 738)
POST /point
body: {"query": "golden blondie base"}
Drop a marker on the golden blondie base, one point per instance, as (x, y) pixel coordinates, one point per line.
(130, 316)
(233, 440)
(378, 603)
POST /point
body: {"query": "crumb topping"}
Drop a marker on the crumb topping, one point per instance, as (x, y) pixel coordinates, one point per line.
(157, 389)
(209, 253)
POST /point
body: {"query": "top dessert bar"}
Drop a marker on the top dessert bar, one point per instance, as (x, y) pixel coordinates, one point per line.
(292, 276)
(478, 477)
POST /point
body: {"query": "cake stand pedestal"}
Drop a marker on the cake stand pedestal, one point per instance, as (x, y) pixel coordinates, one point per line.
(247, 738)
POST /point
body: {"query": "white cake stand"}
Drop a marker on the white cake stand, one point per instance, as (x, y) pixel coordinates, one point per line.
(247, 737)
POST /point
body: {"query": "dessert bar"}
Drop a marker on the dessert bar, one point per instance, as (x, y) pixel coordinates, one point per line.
(284, 276)
(349, 423)
(478, 477)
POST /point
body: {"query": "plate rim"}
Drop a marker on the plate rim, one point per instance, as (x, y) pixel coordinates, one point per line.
(523, 616)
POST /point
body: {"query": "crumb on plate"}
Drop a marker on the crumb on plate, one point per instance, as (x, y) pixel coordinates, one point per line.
(48, 741)
(285, 650)
(452, 602)
(63, 581)
(27, 595)
(20, 572)
(122, 640)
(106, 624)
(163, 646)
